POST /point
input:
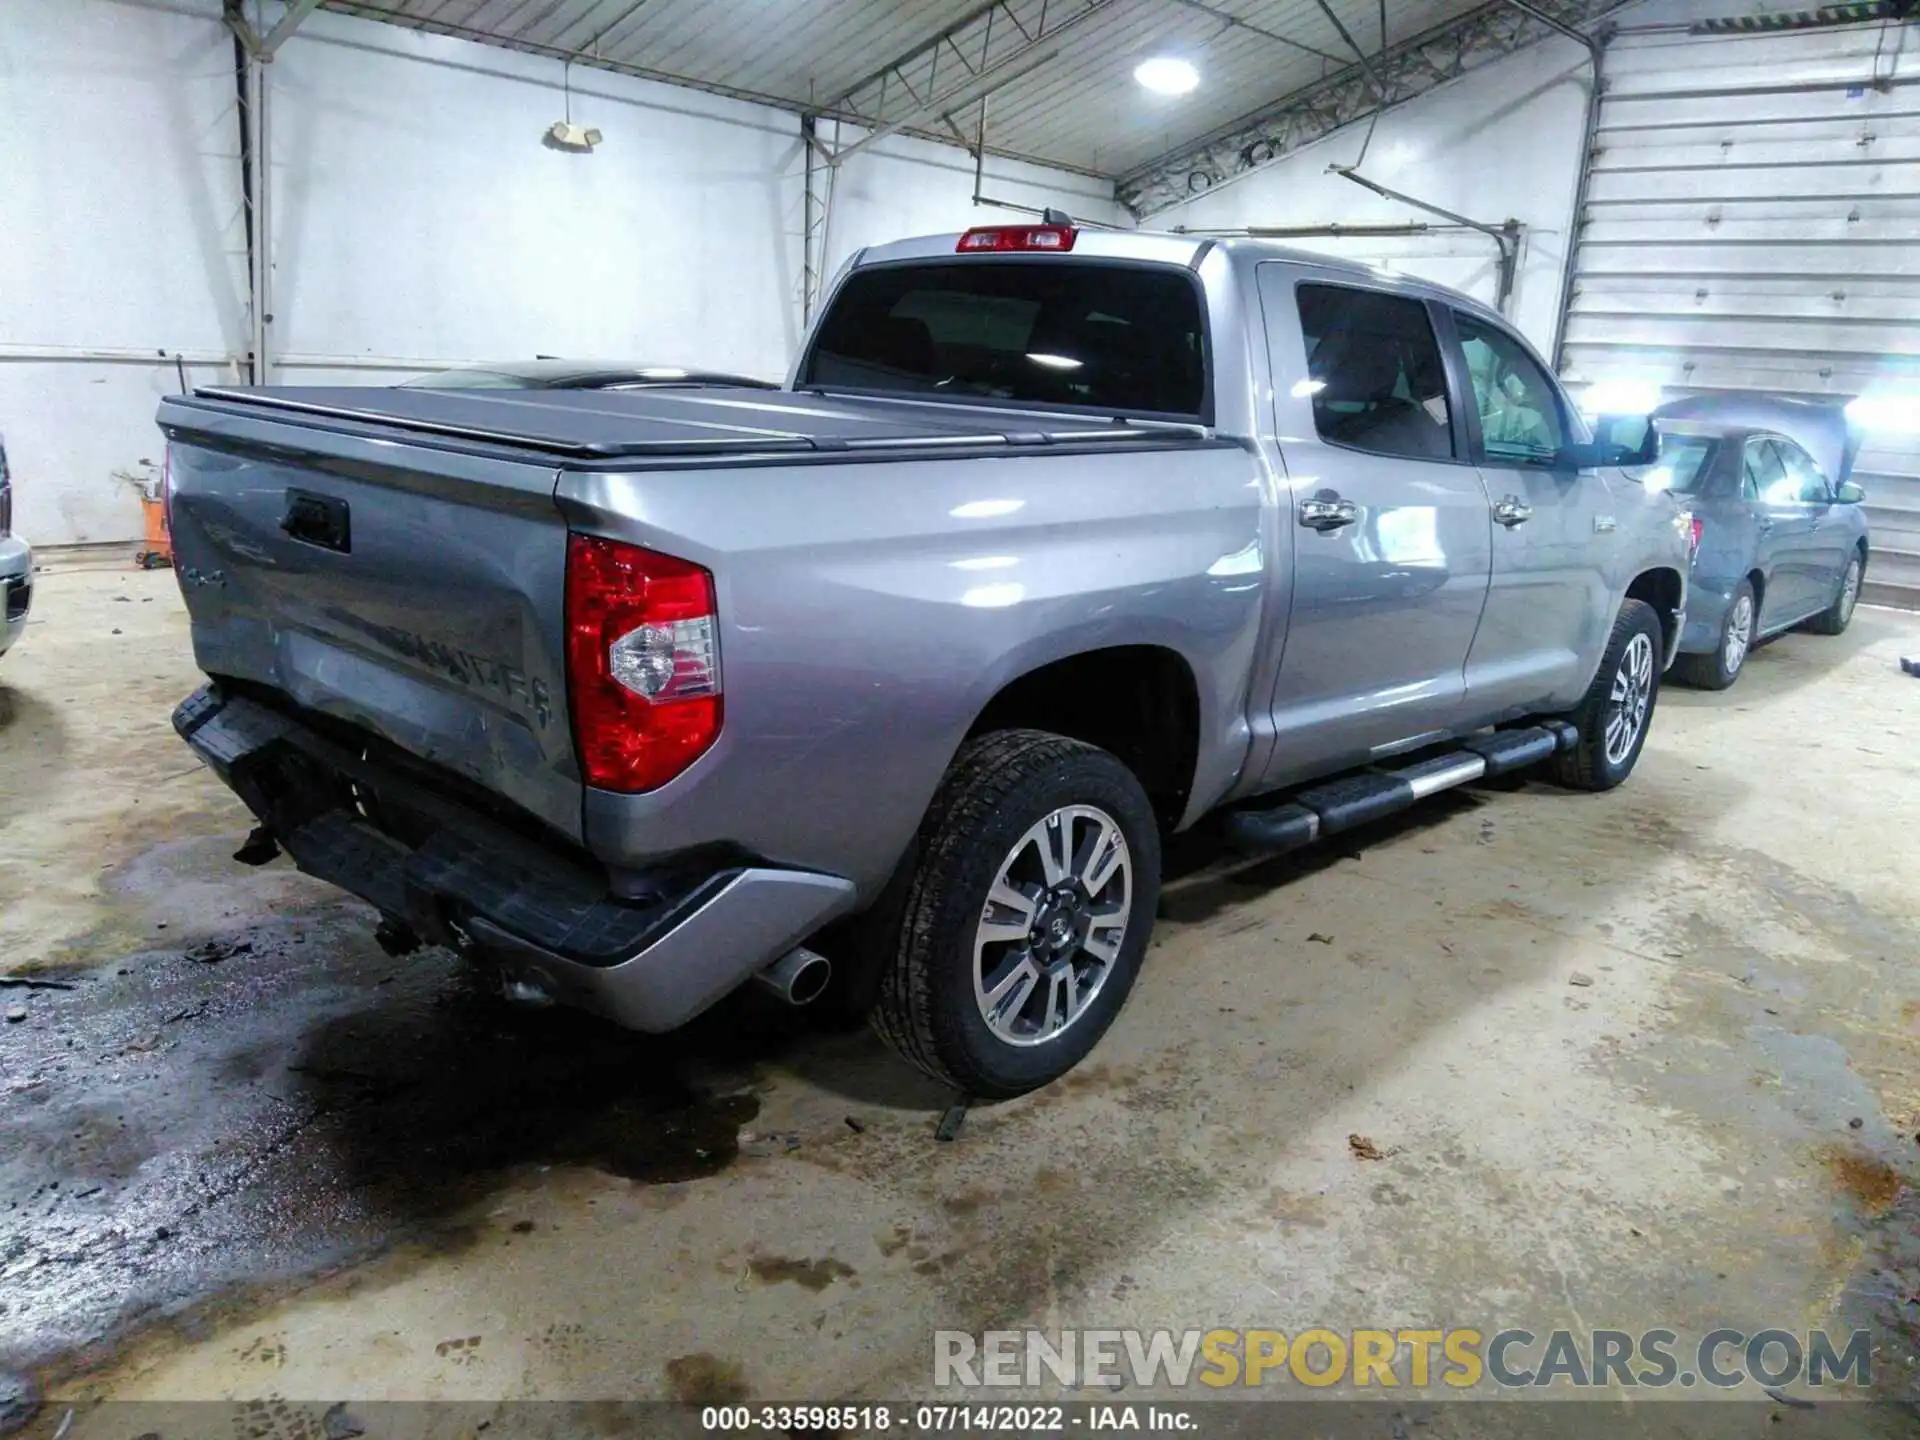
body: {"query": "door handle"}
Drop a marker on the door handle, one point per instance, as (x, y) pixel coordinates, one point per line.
(1327, 514)
(1511, 510)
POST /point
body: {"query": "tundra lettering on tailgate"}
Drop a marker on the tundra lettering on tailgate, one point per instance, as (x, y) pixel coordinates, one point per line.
(513, 685)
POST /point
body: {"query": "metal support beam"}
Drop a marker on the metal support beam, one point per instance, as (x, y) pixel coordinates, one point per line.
(1410, 68)
(1577, 221)
(236, 20)
(1332, 231)
(1359, 55)
(256, 141)
(1505, 235)
(296, 11)
(260, 230)
(816, 213)
(1234, 22)
(986, 49)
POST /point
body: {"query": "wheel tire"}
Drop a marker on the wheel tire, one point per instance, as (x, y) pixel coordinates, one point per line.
(1588, 765)
(1718, 670)
(999, 789)
(1837, 616)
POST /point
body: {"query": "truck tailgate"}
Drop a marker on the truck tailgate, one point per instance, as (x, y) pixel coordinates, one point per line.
(413, 591)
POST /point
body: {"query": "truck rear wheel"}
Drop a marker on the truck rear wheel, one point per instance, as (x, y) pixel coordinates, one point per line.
(1614, 718)
(1027, 916)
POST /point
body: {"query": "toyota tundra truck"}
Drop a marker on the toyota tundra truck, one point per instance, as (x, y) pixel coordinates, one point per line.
(890, 683)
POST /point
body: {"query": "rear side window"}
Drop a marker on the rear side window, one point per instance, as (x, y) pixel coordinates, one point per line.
(1374, 371)
(1126, 339)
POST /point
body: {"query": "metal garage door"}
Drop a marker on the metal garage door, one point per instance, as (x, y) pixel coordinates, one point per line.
(1753, 222)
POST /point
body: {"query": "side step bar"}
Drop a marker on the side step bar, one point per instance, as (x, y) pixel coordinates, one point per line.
(1336, 805)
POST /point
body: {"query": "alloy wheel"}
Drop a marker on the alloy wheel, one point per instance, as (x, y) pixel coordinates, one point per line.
(1739, 636)
(1051, 930)
(1630, 700)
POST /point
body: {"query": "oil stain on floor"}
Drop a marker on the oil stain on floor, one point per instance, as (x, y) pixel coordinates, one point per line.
(289, 1099)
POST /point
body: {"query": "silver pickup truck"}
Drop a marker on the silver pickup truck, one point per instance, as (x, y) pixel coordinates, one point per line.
(1056, 541)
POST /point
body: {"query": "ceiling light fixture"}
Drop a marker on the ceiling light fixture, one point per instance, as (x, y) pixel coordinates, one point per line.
(1165, 75)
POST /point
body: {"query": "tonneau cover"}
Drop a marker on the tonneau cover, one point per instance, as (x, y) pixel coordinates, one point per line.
(638, 424)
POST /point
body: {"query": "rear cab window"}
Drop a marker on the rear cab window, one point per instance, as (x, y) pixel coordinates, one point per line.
(1123, 339)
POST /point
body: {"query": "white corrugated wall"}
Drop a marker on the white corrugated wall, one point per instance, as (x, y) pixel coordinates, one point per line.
(1753, 222)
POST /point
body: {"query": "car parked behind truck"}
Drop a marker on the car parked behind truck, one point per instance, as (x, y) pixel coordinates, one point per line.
(1783, 536)
(16, 565)
(1057, 541)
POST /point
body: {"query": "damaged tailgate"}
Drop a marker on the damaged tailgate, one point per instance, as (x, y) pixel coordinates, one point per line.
(413, 590)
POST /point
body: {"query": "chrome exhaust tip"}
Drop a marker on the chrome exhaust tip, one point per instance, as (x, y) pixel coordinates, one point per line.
(798, 977)
(528, 994)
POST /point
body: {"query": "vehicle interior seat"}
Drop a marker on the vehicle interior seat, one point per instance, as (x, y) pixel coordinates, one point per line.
(1360, 401)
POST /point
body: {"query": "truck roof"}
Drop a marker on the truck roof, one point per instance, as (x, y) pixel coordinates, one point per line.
(1168, 248)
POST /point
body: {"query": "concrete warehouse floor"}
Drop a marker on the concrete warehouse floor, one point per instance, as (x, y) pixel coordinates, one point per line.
(1651, 1058)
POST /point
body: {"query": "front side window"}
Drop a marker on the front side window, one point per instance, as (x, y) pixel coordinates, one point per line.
(1520, 416)
(1763, 476)
(1374, 371)
(1808, 485)
(1124, 339)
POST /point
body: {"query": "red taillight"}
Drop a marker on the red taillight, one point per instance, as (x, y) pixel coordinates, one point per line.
(643, 663)
(1009, 238)
(1699, 527)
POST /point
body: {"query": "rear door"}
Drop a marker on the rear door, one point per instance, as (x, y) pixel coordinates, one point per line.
(1387, 523)
(1549, 606)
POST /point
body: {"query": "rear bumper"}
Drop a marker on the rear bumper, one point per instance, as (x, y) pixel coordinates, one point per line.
(1704, 617)
(16, 589)
(540, 914)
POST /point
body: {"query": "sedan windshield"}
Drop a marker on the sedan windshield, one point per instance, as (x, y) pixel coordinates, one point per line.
(1684, 464)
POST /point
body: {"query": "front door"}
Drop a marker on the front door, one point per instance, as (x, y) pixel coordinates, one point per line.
(1387, 523)
(1548, 609)
(1785, 524)
(1828, 539)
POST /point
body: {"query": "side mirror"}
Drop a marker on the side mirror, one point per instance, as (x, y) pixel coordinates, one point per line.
(1630, 442)
(1848, 493)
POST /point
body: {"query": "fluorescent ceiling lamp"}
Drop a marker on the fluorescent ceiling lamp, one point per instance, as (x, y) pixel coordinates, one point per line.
(1620, 397)
(1891, 414)
(1055, 362)
(1164, 75)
